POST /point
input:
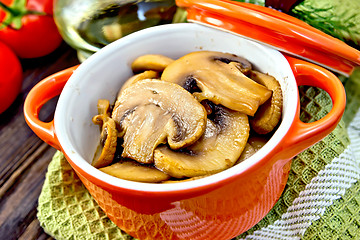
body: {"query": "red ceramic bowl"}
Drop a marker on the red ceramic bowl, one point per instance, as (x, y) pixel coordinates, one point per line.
(220, 206)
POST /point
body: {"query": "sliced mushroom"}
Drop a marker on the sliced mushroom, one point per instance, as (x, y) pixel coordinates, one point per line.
(108, 137)
(219, 78)
(246, 153)
(257, 142)
(155, 62)
(218, 149)
(151, 112)
(269, 114)
(252, 146)
(172, 180)
(133, 171)
(140, 76)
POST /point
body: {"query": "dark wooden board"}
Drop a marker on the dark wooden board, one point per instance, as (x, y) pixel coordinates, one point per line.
(23, 156)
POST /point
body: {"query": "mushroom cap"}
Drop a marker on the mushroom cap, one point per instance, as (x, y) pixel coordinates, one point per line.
(269, 114)
(155, 62)
(150, 112)
(148, 74)
(218, 149)
(105, 153)
(220, 78)
(134, 171)
(252, 146)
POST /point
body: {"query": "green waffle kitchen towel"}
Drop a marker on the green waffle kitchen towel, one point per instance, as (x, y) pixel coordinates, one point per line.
(321, 199)
(66, 209)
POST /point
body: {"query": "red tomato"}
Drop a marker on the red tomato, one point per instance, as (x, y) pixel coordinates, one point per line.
(10, 77)
(28, 27)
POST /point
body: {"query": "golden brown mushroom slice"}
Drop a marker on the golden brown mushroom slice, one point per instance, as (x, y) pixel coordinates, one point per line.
(269, 114)
(151, 112)
(218, 149)
(257, 142)
(155, 62)
(246, 153)
(251, 147)
(149, 74)
(172, 180)
(220, 78)
(108, 138)
(133, 171)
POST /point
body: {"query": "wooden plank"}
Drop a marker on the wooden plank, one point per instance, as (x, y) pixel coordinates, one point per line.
(19, 201)
(24, 157)
(34, 232)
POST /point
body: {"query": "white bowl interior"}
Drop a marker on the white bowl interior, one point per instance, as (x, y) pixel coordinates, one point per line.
(102, 75)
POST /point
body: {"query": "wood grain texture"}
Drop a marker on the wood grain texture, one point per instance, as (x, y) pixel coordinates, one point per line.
(23, 156)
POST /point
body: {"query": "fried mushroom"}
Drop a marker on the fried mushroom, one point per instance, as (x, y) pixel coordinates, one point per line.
(149, 74)
(218, 149)
(252, 146)
(133, 171)
(269, 114)
(155, 62)
(220, 78)
(151, 112)
(108, 137)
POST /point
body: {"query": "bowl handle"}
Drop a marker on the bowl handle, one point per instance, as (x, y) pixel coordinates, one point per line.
(303, 135)
(41, 93)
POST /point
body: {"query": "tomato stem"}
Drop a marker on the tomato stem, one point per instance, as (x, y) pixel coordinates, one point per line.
(9, 9)
(15, 14)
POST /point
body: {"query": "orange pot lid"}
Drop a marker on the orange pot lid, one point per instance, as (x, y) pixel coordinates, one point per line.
(275, 29)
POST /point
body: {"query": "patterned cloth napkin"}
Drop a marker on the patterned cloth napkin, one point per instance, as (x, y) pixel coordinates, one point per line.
(321, 199)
